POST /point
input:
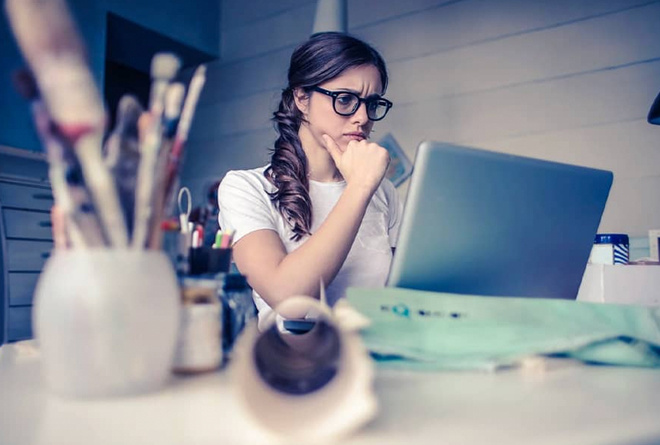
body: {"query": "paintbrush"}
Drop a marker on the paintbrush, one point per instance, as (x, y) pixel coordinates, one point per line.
(164, 68)
(49, 41)
(172, 111)
(122, 154)
(71, 196)
(181, 137)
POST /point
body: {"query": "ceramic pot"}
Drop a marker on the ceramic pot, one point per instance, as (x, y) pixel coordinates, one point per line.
(106, 321)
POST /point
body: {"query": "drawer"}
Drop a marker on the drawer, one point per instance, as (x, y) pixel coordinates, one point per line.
(25, 196)
(21, 288)
(27, 256)
(19, 323)
(27, 224)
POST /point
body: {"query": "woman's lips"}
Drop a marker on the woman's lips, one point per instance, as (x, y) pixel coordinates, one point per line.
(355, 136)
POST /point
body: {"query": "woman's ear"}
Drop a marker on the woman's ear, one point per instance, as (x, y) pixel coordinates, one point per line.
(301, 98)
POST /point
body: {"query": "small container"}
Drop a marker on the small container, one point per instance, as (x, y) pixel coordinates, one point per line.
(610, 248)
(199, 347)
(208, 260)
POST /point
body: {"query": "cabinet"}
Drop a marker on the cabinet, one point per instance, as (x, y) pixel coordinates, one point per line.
(26, 243)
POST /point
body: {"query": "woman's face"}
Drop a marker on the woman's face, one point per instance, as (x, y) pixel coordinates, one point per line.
(322, 119)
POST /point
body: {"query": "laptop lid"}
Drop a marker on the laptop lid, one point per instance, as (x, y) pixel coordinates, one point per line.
(487, 223)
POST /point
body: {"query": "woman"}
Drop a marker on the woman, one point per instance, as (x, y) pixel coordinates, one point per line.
(321, 210)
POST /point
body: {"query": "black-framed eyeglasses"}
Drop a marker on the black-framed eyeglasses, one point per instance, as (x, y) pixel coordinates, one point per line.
(346, 103)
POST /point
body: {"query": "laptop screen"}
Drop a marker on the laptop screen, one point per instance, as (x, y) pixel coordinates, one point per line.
(487, 223)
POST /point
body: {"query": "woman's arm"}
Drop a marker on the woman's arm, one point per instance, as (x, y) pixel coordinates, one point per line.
(276, 275)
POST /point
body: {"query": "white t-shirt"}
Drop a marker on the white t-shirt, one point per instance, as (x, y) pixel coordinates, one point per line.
(246, 207)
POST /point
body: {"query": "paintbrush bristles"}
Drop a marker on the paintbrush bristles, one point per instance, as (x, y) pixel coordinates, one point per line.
(165, 66)
(189, 105)
(49, 41)
(43, 28)
(129, 111)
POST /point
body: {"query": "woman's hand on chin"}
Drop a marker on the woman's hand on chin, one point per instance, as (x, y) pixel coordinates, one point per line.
(363, 163)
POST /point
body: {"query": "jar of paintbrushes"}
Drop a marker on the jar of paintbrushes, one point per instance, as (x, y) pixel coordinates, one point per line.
(107, 304)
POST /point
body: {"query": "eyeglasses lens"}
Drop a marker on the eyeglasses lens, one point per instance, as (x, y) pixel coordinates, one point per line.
(347, 104)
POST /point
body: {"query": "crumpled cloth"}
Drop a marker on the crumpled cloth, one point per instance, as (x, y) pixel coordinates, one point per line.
(434, 331)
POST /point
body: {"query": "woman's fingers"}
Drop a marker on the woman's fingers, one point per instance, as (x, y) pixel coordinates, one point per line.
(332, 148)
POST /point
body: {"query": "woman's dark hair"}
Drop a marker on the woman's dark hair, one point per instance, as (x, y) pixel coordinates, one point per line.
(320, 59)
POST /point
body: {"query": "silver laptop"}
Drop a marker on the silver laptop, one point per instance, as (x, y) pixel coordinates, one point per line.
(487, 223)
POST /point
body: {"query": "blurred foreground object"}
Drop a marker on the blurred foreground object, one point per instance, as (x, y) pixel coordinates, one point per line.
(105, 326)
(121, 200)
(106, 310)
(304, 378)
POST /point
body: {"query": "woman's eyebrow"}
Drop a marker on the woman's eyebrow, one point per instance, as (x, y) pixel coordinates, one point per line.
(357, 93)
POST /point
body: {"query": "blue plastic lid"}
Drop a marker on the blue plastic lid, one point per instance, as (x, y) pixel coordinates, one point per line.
(611, 238)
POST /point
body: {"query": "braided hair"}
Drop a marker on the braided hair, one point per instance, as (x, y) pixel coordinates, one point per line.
(320, 59)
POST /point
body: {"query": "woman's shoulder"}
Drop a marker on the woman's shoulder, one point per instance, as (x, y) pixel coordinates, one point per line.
(251, 178)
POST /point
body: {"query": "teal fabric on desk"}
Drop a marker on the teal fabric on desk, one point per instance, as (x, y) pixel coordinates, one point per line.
(429, 330)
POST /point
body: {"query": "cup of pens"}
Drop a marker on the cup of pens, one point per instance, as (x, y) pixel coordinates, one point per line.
(214, 259)
(107, 304)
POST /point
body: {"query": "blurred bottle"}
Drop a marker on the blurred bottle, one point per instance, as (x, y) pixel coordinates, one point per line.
(199, 347)
(238, 308)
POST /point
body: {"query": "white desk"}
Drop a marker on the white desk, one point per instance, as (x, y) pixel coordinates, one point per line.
(568, 404)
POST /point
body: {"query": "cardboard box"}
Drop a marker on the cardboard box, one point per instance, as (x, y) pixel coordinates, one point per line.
(621, 284)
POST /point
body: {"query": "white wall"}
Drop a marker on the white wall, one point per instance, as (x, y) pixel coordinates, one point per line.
(565, 80)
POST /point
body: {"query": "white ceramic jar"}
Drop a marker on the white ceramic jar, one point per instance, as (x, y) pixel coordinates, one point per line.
(106, 321)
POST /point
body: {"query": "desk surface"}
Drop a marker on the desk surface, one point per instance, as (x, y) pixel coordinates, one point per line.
(568, 403)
